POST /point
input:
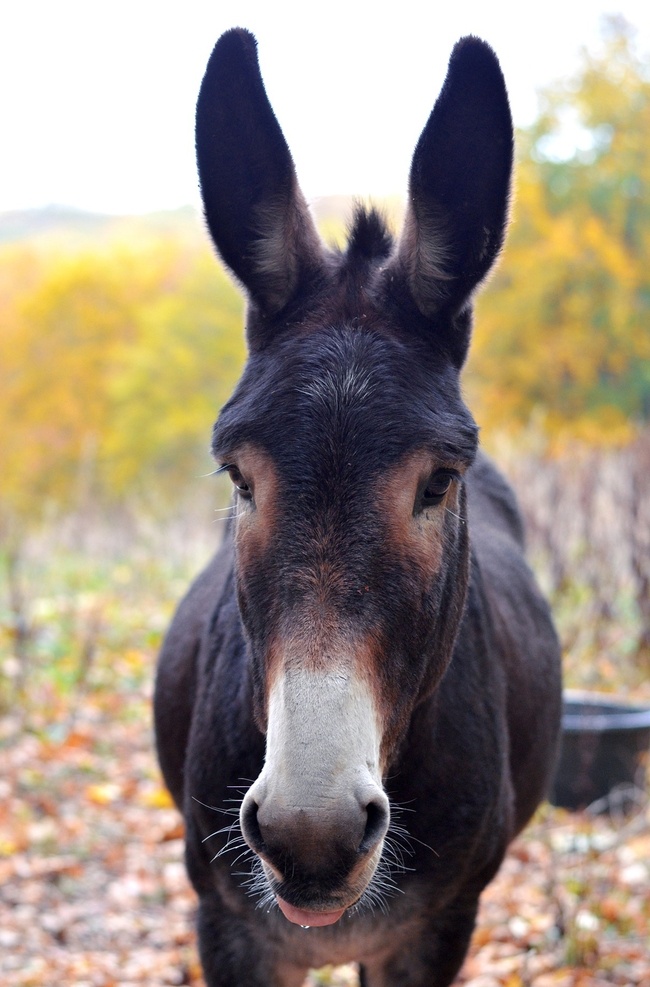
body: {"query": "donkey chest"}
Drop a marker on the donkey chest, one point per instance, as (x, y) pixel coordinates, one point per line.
(365, 938)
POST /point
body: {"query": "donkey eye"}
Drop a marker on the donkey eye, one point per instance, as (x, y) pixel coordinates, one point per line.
(239, 483)
(436, 488)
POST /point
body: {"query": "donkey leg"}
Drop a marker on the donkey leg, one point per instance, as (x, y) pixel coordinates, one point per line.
(433, 957)
(233, 955)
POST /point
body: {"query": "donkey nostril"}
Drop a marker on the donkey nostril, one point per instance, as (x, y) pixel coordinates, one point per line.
(250, 827)
(376, 825)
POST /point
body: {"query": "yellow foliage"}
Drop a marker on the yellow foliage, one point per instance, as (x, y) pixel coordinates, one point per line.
(104, 793)
(113, 364)
(115, 358)
(563, 332)
(157, 798)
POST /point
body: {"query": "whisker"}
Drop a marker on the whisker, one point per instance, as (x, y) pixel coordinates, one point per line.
(233, 844)
(215, 808)
(217, 832)
(242, 856)
(401, 833)
(397, 807)
(425, 845)
(220, 469)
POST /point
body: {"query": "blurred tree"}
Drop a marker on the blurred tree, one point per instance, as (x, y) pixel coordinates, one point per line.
(562, 335)
(114, 360)
(55, 354)
(113, 363)
(171, 380)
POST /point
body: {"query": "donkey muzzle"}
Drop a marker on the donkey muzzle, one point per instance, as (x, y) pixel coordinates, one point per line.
(317, 815)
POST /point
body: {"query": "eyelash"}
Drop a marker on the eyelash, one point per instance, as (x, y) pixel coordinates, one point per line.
(242, 488)
(431, 495)
(437, 488)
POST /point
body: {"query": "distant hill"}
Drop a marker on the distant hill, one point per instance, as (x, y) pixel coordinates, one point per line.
(57, 222)
(54, 223)
(28, 223)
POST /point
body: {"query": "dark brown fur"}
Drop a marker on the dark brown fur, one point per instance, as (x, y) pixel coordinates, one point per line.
(346, 425)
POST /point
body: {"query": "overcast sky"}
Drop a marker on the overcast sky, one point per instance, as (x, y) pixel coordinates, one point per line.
(97, 99)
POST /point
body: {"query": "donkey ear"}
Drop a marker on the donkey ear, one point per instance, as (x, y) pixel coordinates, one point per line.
(255, 211)
(460, 183)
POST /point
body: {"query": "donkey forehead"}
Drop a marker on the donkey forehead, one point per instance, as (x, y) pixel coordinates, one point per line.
(344, 394)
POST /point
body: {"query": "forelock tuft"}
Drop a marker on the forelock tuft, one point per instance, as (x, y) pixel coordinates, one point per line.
(368, 237)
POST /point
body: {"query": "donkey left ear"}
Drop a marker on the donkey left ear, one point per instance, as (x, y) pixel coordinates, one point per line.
(255, 211)
(460, 184)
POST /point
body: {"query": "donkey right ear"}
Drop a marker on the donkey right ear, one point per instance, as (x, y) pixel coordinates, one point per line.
(460, 185)
(255, 211)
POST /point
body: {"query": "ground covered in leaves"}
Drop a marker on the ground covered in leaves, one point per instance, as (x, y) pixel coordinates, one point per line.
(93, 890)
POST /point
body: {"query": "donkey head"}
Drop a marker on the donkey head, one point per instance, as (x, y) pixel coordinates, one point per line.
(347, 442)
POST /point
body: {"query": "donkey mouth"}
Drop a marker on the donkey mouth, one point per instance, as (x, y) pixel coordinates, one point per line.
(305, 917)
(320, 902)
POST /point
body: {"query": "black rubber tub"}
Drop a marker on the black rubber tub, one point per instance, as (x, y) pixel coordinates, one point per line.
(605, 744)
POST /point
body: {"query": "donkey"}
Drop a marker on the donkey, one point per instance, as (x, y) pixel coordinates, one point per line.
(367, 654)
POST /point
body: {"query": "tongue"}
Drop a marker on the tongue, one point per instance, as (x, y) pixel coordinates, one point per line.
(300, 916)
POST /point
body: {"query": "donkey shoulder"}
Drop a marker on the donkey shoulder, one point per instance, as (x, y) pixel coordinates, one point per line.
(178, 666)
(493, 505)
